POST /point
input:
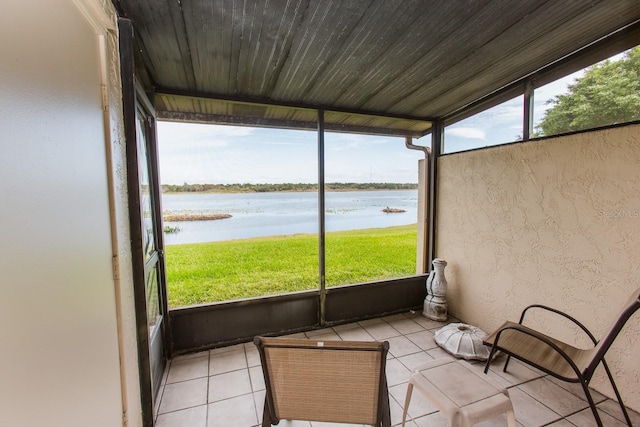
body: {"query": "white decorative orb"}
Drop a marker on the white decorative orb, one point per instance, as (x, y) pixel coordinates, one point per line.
(463, 341)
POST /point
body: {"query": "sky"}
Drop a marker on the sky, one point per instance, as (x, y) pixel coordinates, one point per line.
(503, 123)
(216, 154)
(219, 154)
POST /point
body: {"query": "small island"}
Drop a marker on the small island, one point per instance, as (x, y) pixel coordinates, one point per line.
(392, 210)
(171, 217)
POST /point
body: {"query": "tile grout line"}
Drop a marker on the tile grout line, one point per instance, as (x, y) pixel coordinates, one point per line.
(206, 418)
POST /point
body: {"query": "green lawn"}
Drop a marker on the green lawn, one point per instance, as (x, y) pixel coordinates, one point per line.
(219, 271)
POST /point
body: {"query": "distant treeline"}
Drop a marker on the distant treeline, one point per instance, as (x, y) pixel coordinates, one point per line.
(267, 188)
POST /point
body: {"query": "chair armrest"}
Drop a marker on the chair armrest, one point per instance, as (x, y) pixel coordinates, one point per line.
(565, 315)
(538, 336)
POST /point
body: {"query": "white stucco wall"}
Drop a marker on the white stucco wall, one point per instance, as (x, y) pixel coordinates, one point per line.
(555, 222)
(60, 360)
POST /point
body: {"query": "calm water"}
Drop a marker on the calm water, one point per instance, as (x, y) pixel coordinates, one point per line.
(268, 214)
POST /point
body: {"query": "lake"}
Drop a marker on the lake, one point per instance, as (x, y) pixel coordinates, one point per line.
(269, 214)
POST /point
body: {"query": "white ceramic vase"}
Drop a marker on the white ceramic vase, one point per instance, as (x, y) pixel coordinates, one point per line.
(435, 304)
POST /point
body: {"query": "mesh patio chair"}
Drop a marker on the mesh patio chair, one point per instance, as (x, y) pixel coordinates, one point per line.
(557, 358)
(330, 381)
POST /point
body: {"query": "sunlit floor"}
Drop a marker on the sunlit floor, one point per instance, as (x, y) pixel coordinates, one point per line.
(224, 387)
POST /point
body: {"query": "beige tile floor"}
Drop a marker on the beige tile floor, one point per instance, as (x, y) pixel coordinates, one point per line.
(225, 388)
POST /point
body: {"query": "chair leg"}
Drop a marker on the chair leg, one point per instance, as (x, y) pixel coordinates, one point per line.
(618, 396)
(407, 400)
(386, 409)
(489, 359)
(266, 416)
(592, 405)
(506, 363)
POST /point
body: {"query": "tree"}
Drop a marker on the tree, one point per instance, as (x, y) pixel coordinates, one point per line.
(608, 93)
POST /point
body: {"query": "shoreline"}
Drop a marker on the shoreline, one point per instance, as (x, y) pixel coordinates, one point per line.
(194, 217)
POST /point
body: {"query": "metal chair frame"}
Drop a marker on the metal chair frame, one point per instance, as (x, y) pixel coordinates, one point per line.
(300, 351)
(582, 376)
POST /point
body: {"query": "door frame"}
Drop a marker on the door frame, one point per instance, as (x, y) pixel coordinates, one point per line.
(135, 100)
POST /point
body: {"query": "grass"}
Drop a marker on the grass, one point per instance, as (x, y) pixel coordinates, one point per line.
(219, 271)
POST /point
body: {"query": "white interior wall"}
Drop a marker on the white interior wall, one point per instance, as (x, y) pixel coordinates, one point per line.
(60, 362)
(555, 222)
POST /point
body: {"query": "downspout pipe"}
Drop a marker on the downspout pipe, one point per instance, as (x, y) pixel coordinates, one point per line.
(408, 143)
(422, 261)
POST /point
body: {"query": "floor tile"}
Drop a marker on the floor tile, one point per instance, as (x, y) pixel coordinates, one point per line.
(396, 411)
(297, 335)
(331, 336)
(553, 396)
(226, 362)
(381, 331)
(585, 418)
(184, 395)
(368, 322)
(192, 417)
(561, 423)
(188, 369)
(530, 412)
(428, 323)
(423, 339)
(517, 372)
(577, 390)
(258, 401)
(323, 331)
(192, 355)
(355, 334)
(345, 326)
(612, 408)
(432, 420)
(397, 373)
(394, 317)
(419, 405)
(253, 355)
(438, 353)
(230, 384)
(406, 326)
(401, 346)
(412, 361)
(238, 412)
(226, 349)
(257, 378)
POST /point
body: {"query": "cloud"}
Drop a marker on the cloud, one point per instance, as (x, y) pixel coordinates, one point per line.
(173, 135)
(467, 132)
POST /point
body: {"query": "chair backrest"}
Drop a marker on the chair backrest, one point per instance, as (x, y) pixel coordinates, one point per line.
(631, 306)
(330, 381)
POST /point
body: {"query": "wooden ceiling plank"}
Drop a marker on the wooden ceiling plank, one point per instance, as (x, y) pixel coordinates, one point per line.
(478, 73)
(326, 27)
(436, 22)
(145, 16)
(383, 22)
(480, 30)
(209, 30)
(277, 24)
(243, 120)
(515, 40)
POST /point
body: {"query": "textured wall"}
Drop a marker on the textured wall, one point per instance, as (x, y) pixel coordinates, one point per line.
(554, 222)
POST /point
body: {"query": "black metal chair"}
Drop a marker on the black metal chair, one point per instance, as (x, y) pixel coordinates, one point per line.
(556, 358)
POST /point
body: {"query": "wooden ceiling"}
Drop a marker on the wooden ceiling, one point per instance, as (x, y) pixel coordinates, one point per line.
(374, 66)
